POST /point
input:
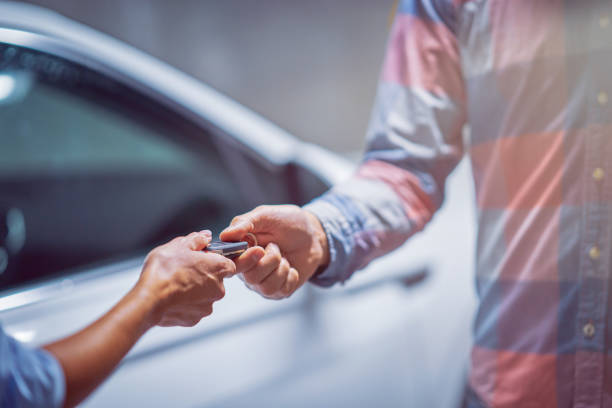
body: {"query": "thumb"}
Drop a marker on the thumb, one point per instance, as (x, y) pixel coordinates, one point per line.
(197, 241)
(239, 227)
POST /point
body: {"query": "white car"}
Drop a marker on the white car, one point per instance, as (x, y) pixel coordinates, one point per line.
(106, 152)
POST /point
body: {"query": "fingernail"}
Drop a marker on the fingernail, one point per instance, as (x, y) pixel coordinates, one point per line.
(206, 232)
(257, 256)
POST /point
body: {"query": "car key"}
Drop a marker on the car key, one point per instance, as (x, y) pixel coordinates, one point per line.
(229, 250)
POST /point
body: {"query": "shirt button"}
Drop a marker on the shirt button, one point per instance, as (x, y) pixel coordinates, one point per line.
(594, 253)
(588, 330)
(602, 98)
(598, 174)
(604, 21)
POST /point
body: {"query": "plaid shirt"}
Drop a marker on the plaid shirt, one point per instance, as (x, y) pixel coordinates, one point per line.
(533, 79)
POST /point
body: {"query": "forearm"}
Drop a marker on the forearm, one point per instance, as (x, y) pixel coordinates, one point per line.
(363, 219)
(90, 355)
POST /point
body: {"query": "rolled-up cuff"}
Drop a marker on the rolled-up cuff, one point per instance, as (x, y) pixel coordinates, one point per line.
(338, 232)
(29, 378)
(56, 375)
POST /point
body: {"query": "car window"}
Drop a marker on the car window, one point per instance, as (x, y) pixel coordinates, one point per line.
(92, 171)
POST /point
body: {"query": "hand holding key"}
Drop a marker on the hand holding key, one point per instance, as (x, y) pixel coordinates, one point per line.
(295, 247)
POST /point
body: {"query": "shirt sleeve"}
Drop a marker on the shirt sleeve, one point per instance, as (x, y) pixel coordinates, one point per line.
(414, 142)
(29, 377)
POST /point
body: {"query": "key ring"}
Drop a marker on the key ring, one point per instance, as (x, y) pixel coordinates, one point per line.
(253, 239)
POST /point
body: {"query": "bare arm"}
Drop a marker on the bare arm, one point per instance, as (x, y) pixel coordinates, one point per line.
(89, 356)
(177, 287)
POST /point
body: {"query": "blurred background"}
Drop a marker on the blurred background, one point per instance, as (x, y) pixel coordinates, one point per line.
(309, 66)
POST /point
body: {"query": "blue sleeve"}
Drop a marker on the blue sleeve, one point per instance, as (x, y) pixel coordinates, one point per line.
(29, 377)
(414, 142)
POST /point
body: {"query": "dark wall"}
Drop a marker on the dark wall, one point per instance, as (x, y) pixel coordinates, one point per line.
(310, 66)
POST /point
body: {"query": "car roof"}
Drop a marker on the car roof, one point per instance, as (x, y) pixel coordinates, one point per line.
(89, 45)
(30, 23)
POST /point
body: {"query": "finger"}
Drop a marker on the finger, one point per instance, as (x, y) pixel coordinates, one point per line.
(211, 291)
(189, 308)
(192, 314)
(174, 318)
(272, 285)
(268, 264)
(197, 241)
(292, 282)
(239, 227)
(183, 319)
(249, 259)
(167, 322)
(175, 240)
(206, 310)
(214, 265)
(202, 309)
(222, 268)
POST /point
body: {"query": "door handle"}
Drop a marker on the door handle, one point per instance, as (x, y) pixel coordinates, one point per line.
(405, 279)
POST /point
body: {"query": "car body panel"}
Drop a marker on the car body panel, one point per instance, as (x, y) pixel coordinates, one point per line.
(371, 339)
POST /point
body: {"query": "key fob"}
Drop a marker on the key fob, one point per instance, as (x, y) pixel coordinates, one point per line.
(229, 250)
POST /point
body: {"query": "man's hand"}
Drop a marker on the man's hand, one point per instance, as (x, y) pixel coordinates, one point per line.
(184, 281)
(295, 247)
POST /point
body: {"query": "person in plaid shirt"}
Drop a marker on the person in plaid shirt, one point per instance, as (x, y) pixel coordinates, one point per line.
(532, 79)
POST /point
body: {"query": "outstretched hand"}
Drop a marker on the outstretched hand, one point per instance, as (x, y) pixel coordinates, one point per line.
(177, 287)
(185, 280)
(292, 246)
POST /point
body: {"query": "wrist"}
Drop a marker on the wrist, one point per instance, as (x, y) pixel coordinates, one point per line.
(150, 304)
(320, 237)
